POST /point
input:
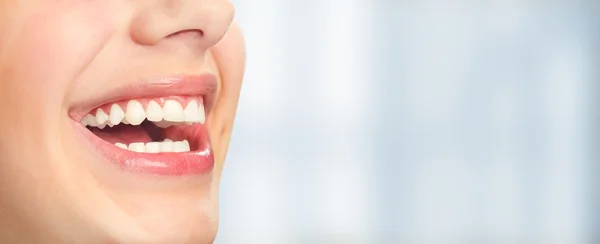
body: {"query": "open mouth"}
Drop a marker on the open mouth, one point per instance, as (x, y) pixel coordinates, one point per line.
(153, 127)
(165, 135)
(163, 125)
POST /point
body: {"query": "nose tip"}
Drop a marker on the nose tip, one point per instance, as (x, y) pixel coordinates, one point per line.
(203, 22)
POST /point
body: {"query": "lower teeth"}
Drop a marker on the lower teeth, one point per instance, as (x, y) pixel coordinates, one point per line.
(157, 147)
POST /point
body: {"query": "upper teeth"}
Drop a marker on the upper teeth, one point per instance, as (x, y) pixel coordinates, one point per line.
(135, 114)
(116, 114)
(154, 112)
(101, 117)
(173, 111)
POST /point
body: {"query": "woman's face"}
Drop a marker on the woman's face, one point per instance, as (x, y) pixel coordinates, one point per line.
(116, 118)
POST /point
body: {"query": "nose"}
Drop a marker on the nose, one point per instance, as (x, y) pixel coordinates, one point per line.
(199, 23)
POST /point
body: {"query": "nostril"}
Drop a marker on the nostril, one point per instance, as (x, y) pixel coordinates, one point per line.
(194, 33)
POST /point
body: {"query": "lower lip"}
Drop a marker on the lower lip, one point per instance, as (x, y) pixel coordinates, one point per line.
(168, 164)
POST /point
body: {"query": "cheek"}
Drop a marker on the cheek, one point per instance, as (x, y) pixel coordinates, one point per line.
(229, 56)
(42, 61)
(41, 55)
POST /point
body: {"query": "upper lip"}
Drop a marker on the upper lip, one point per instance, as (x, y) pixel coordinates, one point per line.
(204, 85)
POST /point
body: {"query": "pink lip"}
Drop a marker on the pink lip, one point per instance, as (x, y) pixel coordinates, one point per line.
(199, 161)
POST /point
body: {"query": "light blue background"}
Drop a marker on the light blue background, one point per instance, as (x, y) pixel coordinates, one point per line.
(372, 121)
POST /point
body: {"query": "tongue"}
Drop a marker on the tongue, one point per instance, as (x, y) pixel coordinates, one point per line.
(125, 134)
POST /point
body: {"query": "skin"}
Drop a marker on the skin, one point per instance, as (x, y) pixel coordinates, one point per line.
(55, 54)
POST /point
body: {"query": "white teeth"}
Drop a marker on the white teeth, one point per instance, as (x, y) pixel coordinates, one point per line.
(173, 111)
(166, 146)
(135, 113)
(137, 147)
(157, 147)
(191, 112)
(101, 116)
(116, 114)
(154, 112)
(181, 146)
(187, 145)
(121, 145)
(89, 120)
(153, 147)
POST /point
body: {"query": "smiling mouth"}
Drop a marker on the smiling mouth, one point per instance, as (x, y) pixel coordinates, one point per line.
(157, 133)
(160, 125)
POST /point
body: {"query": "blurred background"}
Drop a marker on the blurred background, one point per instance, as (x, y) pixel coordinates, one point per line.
(381, 121)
